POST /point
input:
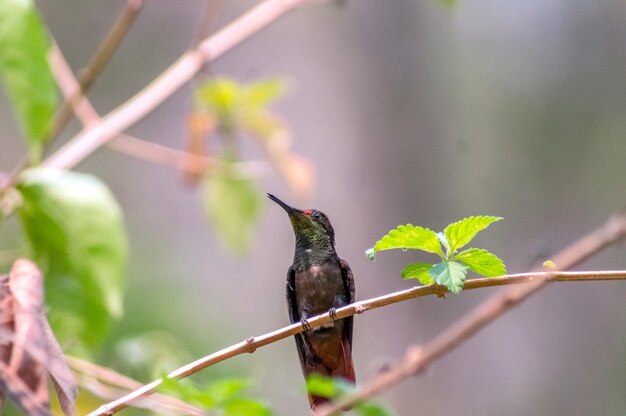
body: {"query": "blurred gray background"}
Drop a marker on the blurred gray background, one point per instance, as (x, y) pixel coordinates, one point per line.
(411, 112)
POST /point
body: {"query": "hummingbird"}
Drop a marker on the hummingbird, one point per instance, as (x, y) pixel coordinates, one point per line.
(319, 281)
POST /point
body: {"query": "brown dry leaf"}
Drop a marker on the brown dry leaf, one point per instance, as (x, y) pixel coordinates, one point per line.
(29, 352)
(199, 126)
(299, 174)
(273, 133)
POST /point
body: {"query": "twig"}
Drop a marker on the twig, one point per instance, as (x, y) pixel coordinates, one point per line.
(251, 344)
(168, 82)
(96, 64)
(108, 384)
(417, 358)
(133, 146)
(86, 79)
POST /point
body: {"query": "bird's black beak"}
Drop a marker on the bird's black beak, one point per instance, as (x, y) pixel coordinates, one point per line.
(290, 210)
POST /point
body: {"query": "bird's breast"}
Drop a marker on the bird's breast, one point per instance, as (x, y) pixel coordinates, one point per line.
(319, 288)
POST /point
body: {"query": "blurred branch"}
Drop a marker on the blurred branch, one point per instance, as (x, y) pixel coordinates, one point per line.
(168, 82)
(96, 64)
(251, 344)
(107, 384)
(132, 146)
(416, 358)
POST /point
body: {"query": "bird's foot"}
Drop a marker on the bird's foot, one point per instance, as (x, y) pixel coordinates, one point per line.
(305, 324)
(332, 312)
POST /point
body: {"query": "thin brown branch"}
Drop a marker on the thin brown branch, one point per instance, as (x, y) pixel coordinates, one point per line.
(132, 146)
(417, 358)
(96, 64)
(168, 82)
(251, 344)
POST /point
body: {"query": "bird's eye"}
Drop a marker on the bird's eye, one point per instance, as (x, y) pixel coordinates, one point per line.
(317, 215)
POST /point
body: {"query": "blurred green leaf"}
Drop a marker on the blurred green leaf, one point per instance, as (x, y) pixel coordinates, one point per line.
(227, 396)
(322, 386)
(462, 232)
(222, 98)
(262, 93)
(240, 106)
(25, 71)
(188, 392)
(333, 388)
(449, 3)
(76, 233)
(372, 409)
(245, 407)
(225, 389)
(482, 262)
(451, 274)
(232, 203)
(418, 271)
(408, 237)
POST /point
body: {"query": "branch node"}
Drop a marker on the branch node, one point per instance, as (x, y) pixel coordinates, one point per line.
(250, 344)
(359, 309)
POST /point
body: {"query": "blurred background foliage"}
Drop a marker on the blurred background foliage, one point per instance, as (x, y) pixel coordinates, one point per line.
(408, 112)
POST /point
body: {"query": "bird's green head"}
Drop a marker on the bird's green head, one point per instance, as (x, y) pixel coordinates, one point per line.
(311, 227)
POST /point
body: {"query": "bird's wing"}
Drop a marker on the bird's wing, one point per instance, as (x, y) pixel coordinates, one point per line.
(291, 296)
(348, 284)
(294, 317)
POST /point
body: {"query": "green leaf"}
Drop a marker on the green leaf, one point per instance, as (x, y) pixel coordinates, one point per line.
(409, 237)
(232, 203)
(462, 232)
(245, 407)
(418, 271)
(449, 3)
(25, 71)
(444, 243)
(187, 392)
(222, 98)
(227, 389)
(76, 232)
(450, 274)
(322, 386)
(371, 409)
(262, 93)
(482, 262)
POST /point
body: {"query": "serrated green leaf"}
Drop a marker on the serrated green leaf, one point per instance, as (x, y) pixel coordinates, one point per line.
(25, 72)
(410, 237)
(264, 92)
(482, 262)
(462, 232)
(418, 271)
(75, 229)
(450, 274)
(232, 203)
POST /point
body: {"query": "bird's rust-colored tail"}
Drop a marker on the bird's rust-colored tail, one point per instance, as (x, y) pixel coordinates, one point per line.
(344, 369)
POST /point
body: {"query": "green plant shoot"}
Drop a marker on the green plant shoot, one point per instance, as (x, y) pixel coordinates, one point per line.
(452, 270)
